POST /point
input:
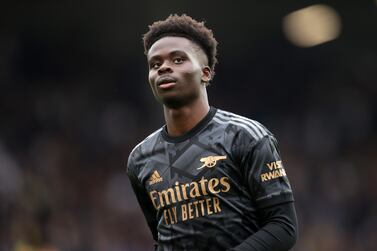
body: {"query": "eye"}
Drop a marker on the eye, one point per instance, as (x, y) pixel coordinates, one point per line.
(154, 65)
(178, 60)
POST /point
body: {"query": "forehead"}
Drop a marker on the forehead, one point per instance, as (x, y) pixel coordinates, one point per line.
(170, 43)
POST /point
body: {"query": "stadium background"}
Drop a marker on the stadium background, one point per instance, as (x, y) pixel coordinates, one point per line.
(74, 100)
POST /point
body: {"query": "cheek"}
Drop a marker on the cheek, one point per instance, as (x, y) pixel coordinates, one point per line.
(151, 78)
(193, 73)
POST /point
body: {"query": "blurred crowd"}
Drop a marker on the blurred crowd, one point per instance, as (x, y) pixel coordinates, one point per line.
(69, 121)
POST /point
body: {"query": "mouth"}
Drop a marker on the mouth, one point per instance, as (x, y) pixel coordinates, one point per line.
(166, 82)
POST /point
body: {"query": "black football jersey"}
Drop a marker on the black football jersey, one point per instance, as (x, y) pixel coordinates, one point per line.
(203, 190)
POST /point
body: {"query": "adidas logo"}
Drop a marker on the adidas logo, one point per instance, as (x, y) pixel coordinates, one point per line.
(155, 178)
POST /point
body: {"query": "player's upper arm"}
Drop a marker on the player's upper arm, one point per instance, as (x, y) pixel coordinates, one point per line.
(265, 174)
(143, 198)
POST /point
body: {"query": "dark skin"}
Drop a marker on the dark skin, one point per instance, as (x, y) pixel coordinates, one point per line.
(178, 76)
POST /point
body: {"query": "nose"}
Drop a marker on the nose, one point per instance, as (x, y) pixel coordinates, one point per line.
(164, 68)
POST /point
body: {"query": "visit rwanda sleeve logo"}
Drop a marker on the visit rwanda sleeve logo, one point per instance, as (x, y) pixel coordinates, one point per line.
(210, 161)
(276, 170)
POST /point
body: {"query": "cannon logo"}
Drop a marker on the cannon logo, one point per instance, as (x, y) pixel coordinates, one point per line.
(210, 161)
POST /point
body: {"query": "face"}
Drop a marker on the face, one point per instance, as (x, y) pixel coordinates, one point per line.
(178, 71)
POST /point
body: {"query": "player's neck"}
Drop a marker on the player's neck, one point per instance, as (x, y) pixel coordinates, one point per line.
(181, 120)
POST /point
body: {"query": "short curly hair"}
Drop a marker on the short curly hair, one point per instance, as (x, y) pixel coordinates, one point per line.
(184, 26)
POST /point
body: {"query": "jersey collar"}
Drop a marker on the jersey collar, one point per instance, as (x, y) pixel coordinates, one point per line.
(193, 131)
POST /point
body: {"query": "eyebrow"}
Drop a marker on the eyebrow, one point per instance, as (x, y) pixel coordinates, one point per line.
(170, 54)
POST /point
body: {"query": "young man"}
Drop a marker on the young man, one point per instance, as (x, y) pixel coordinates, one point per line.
(208, 179)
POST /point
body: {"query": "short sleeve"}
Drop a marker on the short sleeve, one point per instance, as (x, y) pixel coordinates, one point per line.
(265, 174)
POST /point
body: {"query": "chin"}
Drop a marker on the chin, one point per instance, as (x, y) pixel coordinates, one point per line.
(173, 103)
(176, 101)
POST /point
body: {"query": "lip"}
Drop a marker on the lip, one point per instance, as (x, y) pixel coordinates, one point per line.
(165, 81)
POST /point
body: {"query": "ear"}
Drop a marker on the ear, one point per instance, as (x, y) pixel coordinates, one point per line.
(206, 74)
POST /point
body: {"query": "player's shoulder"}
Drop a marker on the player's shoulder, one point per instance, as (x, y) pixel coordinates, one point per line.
(147, 144)
(245, 126)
